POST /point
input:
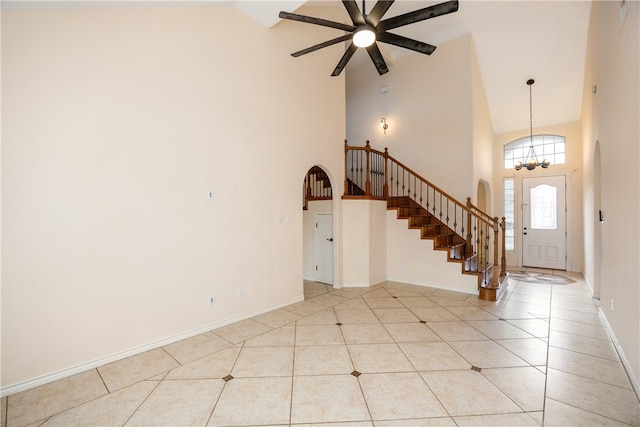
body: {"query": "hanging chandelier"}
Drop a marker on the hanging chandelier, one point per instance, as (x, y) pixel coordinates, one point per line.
(531, 161)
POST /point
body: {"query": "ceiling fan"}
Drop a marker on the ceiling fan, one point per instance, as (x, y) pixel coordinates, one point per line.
(368, 29)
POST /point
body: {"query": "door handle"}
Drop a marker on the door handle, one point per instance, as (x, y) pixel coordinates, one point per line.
(330, 239)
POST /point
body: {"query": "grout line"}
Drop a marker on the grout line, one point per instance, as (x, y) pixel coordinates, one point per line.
(103, 382)
(582, 409)
(171, 356)
(141, 403)
(293, 369)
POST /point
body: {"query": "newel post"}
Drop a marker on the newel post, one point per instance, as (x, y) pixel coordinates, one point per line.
(496, 228)
(385, 187)
(495, 281)
(503, 265)
(346, 177)
(367, 185)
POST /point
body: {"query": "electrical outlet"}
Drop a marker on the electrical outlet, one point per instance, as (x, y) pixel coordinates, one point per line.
(240, 292)
(212, 300)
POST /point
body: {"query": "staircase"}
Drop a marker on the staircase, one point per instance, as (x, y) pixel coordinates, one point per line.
(444, 239)
(468, 235)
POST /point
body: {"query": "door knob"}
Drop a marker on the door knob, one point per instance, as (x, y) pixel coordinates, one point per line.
(330, 239)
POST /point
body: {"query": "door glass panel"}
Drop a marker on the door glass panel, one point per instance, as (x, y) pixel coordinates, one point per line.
(543, 208)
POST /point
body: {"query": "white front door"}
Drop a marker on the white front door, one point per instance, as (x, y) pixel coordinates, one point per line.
(544, 222)
(324, 248)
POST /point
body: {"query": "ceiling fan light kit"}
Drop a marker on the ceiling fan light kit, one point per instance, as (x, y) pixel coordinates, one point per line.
(369, 29)
(364, 36)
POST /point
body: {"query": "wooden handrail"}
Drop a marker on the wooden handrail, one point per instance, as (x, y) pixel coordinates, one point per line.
(361, 175)
(368, 149)
(480, 211)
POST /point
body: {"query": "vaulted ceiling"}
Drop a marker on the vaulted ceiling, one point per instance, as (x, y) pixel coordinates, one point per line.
(515, 40)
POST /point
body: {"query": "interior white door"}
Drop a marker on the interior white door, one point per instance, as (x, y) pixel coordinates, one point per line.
(324, 248)
(544, 222)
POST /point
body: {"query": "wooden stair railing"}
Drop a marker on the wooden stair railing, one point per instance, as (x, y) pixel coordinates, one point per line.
(317, 186)
(503, 224)
(470, 236)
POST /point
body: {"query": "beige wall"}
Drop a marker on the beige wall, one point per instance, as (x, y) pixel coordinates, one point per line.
(116, 124)
(483, 148)
(378, 241)
(572, 169)
(364, 242)
(356, 246)
(411, 259)
(428, 108)
(610, 117)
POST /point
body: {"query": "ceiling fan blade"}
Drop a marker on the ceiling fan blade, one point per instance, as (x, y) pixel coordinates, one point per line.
(378, 60)
(321, 45)
(407, 43)
(316, 21)
(345, 58)
(418, 15)
(378, 11)
(353, 11)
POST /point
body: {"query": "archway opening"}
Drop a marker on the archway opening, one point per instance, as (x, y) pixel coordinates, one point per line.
(483, 196)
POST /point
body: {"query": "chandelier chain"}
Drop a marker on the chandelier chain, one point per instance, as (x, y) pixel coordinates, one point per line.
(531, 161)
(531, 111)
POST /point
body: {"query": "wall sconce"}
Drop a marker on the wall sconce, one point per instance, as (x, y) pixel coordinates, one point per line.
(385, 126)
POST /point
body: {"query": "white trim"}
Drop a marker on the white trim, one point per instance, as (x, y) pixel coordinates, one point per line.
(623, 358)
(44, 379)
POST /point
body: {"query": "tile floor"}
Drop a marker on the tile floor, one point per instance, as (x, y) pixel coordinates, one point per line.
(390, 355)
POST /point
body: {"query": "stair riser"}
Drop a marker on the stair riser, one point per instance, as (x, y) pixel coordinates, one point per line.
(421, 221)
(431, 231)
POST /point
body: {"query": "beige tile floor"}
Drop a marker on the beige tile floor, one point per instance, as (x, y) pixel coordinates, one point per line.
(390, 355)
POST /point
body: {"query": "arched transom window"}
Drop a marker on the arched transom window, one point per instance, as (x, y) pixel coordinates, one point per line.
(550, 147)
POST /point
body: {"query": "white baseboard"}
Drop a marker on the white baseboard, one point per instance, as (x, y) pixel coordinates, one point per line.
(623, 358)
(64, 373)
